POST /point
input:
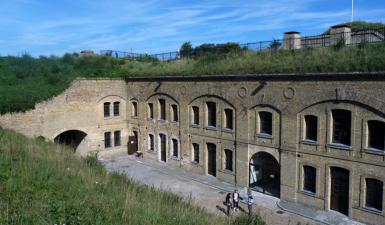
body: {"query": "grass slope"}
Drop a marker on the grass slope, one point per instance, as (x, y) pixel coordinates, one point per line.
(43, 183)
(25, 81)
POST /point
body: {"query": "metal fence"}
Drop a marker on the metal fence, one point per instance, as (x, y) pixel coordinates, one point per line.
(289, 42)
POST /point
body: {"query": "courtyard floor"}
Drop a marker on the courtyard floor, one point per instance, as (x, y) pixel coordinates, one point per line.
(208, 192)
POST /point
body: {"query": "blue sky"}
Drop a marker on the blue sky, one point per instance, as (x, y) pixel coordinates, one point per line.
(45, 27)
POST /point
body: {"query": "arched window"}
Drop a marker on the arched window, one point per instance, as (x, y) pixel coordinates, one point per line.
(311, 128)
(376, 135)
(228, 119)
(211, 114)
(106, 108)
(134, 111)
(174, 113)
(228, 160)
(341, 126)
(374, 194)
(116, 108)
(150, 111)
(195, 115)
(265, 123)
(309, 179)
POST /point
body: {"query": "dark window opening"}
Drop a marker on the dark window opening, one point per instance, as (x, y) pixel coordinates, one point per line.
(341, 126)
(134, 109)
(211, 114)
(309, 179)
(311, 128)
(174, 109)
(116, 108)
(374, 194)
(107, 109)
(107, 139)
(162, 109)
(376, 134)
(195, 115)
(228, 160)
(150, 111)
(266, 123)
(196, 152)
(229, 119)
(117, 138)
(175, 148)
(151, 142)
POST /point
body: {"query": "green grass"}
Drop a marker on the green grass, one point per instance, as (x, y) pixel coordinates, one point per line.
(25, 81)
(43, 183)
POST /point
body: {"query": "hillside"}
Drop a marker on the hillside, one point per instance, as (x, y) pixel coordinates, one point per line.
(25, 81)
(44, 183)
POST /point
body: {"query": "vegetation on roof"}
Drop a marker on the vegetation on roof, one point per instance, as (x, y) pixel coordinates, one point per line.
(45, 183)
(25, 81)
(357, 26)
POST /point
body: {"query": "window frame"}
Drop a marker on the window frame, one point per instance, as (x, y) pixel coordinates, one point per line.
(312, 181)
(116, 108)
(175, 148)
(162, 109)
(211, 114)
(195, 150)
(339, 133)
(376, 127)
(107, 139)
(262, 123)
(306, 130)
(228, 119)
(150, 110)
(117, 138)
(134, 108)
(195, 116)
(107, 109)
(174, 113)
(151, 142)
(228, 163)
(375, 195)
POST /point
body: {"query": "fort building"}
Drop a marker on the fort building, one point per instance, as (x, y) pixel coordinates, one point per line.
(313, 139)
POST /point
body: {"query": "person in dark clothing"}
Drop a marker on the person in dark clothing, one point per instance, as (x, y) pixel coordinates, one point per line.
(229, 200)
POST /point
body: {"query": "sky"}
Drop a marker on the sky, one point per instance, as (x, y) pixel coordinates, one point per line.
(53, 27)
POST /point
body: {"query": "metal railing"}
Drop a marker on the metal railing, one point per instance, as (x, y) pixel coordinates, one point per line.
(317, 41)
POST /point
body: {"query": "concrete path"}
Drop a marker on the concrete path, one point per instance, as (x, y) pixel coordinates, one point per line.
(209, 192)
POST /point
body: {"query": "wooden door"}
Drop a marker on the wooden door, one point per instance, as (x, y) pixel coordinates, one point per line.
(132, 145)
(211, 160)
(163, 155)
(339, 193)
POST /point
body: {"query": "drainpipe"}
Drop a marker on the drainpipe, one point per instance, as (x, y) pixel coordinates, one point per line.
(235, 147)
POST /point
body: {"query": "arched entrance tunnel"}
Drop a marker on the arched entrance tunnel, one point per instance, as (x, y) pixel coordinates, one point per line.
(71, 138)
(264, 174)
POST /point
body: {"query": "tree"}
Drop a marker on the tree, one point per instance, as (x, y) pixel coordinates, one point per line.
(186, 49)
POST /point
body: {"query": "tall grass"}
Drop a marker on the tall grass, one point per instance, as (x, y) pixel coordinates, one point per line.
(43, 183)
(24, 81)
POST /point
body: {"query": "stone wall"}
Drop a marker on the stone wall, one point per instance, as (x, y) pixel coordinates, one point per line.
(287, 97)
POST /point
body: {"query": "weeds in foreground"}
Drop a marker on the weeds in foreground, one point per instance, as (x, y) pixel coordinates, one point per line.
(43, 183)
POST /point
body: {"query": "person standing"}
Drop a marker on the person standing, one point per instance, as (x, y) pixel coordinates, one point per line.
(228, 203)
(236, 199)
(250, 202)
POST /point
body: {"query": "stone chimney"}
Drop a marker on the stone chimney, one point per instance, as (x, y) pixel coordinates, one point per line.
(292, 40)
(340, 33)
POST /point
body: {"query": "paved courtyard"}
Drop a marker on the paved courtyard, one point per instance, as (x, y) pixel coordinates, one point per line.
(209, 192)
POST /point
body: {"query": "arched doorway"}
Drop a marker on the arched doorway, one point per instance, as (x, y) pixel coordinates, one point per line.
(71, 138)
(264, 174)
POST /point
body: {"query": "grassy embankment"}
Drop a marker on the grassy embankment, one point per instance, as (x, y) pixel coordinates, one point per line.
(43, 183)
(25, 81)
